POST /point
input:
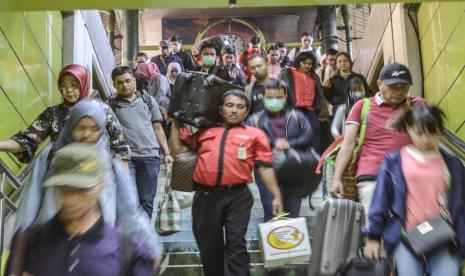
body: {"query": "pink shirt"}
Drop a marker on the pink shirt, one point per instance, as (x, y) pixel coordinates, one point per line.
(425, 176)
(379, 140)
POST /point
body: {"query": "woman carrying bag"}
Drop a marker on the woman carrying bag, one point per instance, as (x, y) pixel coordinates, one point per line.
(418, 207)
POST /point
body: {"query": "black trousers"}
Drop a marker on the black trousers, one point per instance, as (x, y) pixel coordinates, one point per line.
(223, 252)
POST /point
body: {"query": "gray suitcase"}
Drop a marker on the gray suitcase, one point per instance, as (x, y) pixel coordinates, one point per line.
(337, 236)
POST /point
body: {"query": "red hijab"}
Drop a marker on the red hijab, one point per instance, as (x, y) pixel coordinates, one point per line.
(149, 70)
(82, 75)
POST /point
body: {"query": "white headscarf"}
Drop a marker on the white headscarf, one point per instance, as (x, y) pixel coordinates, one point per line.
(168, 70)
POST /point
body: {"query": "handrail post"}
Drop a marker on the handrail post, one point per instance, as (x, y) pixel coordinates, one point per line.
(2, 214)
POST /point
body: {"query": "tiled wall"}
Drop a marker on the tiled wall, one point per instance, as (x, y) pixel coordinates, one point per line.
(30, 60)
(442, 36)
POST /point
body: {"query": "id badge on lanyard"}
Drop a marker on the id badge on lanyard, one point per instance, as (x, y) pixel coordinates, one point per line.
(242, 152)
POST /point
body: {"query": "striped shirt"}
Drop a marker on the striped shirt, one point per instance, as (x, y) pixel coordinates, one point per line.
(273, 72)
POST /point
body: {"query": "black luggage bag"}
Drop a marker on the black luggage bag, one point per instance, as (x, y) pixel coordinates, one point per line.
(196, 97)
(360, 266)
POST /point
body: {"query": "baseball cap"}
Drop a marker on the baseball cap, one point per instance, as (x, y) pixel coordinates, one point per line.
(164, 44)
(227, 49)
(77, 165)
(395, 73)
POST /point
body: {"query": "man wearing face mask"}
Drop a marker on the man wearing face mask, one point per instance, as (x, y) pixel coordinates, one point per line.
(208, 57)
(286, 128)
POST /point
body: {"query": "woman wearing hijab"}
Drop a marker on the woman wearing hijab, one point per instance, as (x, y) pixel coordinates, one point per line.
(118, 202)
(173, 71)
(148, 78)
(74, 85)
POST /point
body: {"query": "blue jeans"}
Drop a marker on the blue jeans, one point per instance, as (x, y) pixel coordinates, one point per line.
(265, 197)
(441, 262)
(144, 171)
(291, 195)
(315, 124)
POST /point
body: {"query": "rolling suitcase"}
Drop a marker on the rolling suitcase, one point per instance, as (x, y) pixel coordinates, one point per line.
(196, 97)
(337, 236)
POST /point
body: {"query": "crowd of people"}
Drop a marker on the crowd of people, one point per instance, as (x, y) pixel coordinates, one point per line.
(92, 188)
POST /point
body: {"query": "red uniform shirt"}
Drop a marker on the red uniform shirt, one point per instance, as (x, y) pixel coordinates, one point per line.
(227, 156)
(379, 138)
(304, 89)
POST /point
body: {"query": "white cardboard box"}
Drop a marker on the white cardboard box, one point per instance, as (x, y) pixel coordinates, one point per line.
(284, 242)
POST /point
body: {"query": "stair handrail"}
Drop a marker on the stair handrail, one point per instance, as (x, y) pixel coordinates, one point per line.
(9, 200)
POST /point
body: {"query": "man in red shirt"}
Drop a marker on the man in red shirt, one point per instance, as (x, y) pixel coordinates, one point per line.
(226, 156)
(386, 106)
(253, 50)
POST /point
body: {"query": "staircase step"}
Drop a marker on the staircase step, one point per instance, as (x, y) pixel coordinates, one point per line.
(183, 257)
(193, 258)
(256, 269)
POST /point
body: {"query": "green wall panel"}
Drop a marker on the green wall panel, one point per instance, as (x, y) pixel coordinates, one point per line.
(456, 101)
(55, 60)
(450, 14)
(442, 29)
(12, 25)
(33, 60)
(461, 133)
(39, 26)
(32, 105)
(10, 117)
(432, 40)
(55, 20)
(10, 121)
(434, 85)
(30, 60)
(11, 71)
(425, 13)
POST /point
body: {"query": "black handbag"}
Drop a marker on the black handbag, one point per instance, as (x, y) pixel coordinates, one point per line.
(361, 266)
(433, 233)
(429, 236)
(297, 166)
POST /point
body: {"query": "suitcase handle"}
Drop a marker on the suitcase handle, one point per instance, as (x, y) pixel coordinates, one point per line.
(211, 80)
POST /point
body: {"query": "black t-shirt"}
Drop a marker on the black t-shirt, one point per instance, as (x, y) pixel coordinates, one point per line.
(257, 98)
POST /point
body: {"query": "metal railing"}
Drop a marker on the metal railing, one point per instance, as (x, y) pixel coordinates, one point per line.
(10, 191)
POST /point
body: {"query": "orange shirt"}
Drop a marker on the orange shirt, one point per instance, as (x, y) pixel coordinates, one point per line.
(227, 156)
(304, 89)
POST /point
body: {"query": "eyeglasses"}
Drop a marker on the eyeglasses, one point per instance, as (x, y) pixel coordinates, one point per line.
(66, 86)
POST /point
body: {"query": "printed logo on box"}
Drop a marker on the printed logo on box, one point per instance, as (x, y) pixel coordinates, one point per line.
(285, 237)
